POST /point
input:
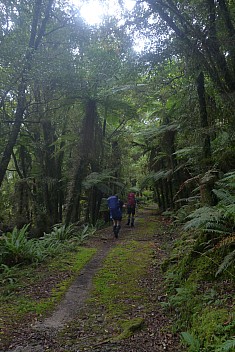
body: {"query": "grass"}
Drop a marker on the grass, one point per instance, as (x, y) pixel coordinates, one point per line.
(117, 286)
(119, 299)
(32, 291)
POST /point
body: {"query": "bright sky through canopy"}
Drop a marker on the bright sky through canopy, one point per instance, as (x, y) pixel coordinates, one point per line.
(93, 11)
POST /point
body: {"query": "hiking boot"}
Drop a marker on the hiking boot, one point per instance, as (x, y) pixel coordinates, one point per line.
(117, 231)
(132, 224)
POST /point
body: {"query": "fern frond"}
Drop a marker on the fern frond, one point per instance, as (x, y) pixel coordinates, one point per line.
(225, 196)
(228, 260)
(191, 341)
(153, 177)
(225, 242)
(215, 231)
(227, 346)
(203, 216)
(229, 176)
(229, 212)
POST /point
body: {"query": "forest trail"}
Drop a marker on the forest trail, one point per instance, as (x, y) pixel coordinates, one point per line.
(78, 325)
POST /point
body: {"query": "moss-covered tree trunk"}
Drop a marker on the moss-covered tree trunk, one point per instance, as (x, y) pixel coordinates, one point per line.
(85, 152)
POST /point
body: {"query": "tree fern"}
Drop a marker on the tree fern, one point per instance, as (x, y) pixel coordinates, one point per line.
(101, 180)
(153, 177)
(204, 217)
(225, 196)
(218, 219)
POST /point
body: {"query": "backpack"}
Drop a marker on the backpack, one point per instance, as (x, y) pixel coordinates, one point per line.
(113, 202)
(131, 199)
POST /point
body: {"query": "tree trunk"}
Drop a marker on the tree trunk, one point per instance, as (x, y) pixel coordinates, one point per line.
(36, 35)
(204, 119)
(21, 106)
(85, 155)
(50, 172)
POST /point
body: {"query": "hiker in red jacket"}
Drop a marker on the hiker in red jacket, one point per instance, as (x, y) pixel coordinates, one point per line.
(131, 206)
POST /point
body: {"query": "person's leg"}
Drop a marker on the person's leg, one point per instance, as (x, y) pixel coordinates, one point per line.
(132, 217)
(129, 215)
(114, 226)
(118, 226)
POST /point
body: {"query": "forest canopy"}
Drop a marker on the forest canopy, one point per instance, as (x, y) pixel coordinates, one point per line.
(84, 114)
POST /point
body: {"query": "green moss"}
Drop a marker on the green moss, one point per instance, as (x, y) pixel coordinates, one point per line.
(198, 296)
(73, 260)
(129, 327)
(203, 267)
(118, 281)
(211, 328)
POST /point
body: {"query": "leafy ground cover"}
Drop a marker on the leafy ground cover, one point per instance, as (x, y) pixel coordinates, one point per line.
(202, 300)
(123, 310)
(149, 293)
(28, 293)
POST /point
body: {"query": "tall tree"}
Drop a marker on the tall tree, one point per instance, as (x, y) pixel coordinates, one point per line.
(39, 20)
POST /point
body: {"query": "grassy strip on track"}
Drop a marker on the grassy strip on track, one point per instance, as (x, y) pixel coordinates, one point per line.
(118, 286)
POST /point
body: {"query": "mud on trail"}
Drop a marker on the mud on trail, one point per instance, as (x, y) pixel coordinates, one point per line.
(79, 324)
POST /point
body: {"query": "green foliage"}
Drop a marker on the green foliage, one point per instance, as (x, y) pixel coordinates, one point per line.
(208, 325)
(218, 220)
(61, 232)
(100, 181)
(228, 261)
(194, 344)
(208, 219)
(221, 217)
(202, 301)
(16, 248)
(153, 177)
(87, 230)
(227, 346)
(113, 290)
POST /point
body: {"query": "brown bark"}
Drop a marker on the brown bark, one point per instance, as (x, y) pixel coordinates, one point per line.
(36, 35)
(203, 117)
(85, 152)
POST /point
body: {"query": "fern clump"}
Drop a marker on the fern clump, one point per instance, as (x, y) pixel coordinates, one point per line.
(17, 248)
(217, 223)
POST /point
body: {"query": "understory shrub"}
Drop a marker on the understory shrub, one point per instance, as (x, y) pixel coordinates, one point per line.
(17, 248)
(200, 278)
(218, 223)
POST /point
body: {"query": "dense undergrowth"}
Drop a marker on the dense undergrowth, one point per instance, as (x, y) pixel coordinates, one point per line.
(201, 274)
(36, 273)
(202, 298)
(200, 283)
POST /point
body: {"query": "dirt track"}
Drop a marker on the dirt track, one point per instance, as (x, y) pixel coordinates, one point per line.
(75, 313)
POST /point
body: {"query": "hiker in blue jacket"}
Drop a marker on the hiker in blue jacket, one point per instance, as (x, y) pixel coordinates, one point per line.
(115, 207)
